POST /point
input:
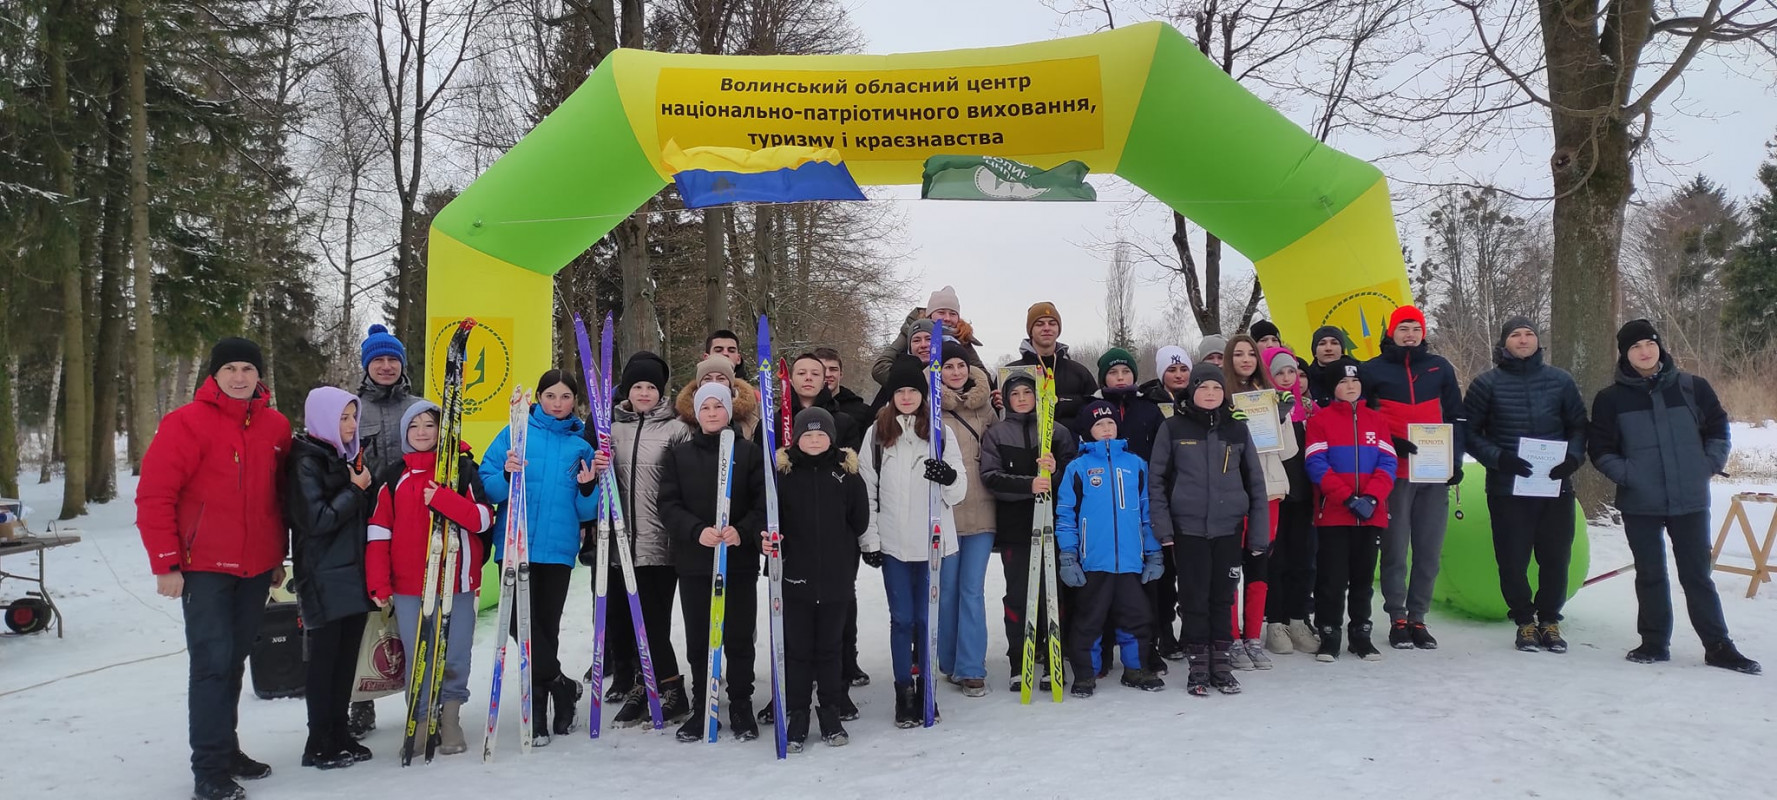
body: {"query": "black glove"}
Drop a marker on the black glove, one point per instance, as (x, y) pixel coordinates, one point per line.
(1511, 464)
(1361, 506)
(873, 558)
(939, 472)
(1455, 477)
(1402, 447)
(1565, 469)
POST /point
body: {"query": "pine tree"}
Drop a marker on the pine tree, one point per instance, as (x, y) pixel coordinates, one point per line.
(1751, 278)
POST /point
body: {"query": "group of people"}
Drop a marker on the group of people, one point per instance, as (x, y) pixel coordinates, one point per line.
(1169, 505)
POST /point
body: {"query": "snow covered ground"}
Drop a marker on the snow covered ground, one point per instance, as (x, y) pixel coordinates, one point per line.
(101, 714)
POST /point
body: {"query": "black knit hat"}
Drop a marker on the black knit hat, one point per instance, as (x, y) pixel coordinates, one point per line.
(235, 349)
(644, 367)
(907, 373)
(1505, 331)
(814, 418)
(1336, 371)
(1634, 331)
(1092, 413)
(951, 350)
(1264, 328)
(1205, 372)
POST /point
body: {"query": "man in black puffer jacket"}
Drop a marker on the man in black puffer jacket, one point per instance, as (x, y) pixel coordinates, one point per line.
(1521, 398)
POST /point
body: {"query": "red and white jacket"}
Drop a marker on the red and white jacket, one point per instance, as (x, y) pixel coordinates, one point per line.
(401, 526)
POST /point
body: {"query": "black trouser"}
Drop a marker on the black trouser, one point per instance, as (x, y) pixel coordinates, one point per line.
(740, 619)
(1015, 563)
(1653, 591)
(549, 594)
(1164, 593)
(1109, 601)
(1208, 572)
(655, 587)
(222, 614)
(848, 647)
(332, 664)
(1523, 526)
(1291, 573)
(814, 638)
(1346, 571)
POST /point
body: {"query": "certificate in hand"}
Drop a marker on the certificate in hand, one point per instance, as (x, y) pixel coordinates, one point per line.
(1260, 409)
(1543, 455)
(1433, 463)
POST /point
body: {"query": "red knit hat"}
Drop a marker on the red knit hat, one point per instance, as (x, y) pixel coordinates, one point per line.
(1404, 314)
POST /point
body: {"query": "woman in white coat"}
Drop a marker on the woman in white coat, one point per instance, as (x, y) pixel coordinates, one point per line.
(899, 472)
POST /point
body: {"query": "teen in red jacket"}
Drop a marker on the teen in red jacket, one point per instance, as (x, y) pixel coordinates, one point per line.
(211, 520)
(1351, 461)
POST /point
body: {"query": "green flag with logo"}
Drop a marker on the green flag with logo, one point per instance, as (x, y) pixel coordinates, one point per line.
(991, 178)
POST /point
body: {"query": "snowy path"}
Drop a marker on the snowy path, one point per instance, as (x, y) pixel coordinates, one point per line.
(1473, 719)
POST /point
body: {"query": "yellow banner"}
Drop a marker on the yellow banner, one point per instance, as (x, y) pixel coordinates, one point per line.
(1027, 108)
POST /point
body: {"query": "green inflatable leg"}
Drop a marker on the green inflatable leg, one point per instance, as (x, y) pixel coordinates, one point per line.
(1468, 576)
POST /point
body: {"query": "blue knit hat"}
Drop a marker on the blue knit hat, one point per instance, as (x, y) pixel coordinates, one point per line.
(379, 342)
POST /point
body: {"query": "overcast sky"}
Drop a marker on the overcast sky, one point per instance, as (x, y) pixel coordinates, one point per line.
(1001, 257)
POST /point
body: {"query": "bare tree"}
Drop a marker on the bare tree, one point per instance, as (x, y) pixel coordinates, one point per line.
(1119, 297)
(1482, 266)
(1673, 266)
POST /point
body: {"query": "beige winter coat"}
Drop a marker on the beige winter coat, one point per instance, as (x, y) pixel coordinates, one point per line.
(969, 413)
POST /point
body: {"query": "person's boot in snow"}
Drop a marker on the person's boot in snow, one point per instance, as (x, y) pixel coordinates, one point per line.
(847, 709)
(832, 732)
(1303, 636)
(855, 676)
(693, 728)
(242, 766)
(540, 718)
(1399, 637)
(1255, 652)
(1084, 685)
(1361, 646)
(1421, 638)
(1527, 639)
(322, 753)
(450, 729)
(622, 679)
(635, 708)
(919, 704)
(907, 712)
(1277, 638)
(361, 719)
(1723, 654)
(973, 687)
(341, 736)
(740, 719)
(563, 693)
(218, 789)
(1142, 679)
(1550, 636)
(1237, 656)
(1197, 682)
(766, 715)
(674, 706)
(797, 733)
(1221, 668)
(1648, 653)
(1328, 651)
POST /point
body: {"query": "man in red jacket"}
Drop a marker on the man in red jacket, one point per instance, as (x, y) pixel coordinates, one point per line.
(210, 517)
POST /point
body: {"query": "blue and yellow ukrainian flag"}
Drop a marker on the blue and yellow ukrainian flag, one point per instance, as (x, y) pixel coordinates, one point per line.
(713, 176)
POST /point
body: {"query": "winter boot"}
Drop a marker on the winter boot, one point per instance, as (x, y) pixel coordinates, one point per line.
(242, 766)
(1649, 652)
(1277, 638)
(1422, 638)
(1303, 637)
(1221, 667)
(1361, 646)
(635, 708)
(832, 732)
(1399, 637)
(450, 729)
(1256, 652)
(1238, 657)
(1084, 685)
(1526, 639)
(321, 753)
(674, 706)
(1328, 651)
(855, 676)
(1143, 680)
(1550, 636)
(973, 687)
(797, 733)
(341, 736)
(908, 714)
(766, 715)
(1723, 654)
(919, 703)
(621, 679)
(563, 693)
(846, 709)
(692, 730)
(740, 719)
(540, 717)
(1198, 681)
(218, 789)
(361, 719)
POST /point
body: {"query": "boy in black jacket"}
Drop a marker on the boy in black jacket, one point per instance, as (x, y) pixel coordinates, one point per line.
(688, 511)
(824, 509)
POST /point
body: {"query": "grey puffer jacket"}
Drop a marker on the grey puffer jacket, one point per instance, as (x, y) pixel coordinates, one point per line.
(379, 423)
(1205, 480)
(638, 452)
(1659, 440)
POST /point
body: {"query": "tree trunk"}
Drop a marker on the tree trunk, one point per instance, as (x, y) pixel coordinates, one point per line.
(715, 267)
(64, 248)
(765, 238)
(47, 469)
(107, 350)
(9, 365)
(143, 408)
(640, 328)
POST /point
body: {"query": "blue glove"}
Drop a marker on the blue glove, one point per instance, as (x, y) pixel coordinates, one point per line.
(1153, 565)
(1070, 571)
(1361, 506)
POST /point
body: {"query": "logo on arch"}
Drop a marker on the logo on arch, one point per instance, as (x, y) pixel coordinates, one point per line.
(487, 365)
(1362, 313)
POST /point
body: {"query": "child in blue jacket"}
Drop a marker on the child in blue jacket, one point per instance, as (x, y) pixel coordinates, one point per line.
(1106, 548)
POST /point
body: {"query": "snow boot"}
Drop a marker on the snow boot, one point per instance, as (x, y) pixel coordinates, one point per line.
(322, 753)
(361, 719)
(1399, 637)
(1303, 637)
(766, 715)
(1550, 637)
(1277, 638)
(919, 704)
(1526, 639)
(1649, 652)
(1198, 681)
(1238, 657)
(797, 733)
(635, 708)
(832, 732)
(1084, 685)
(693, 728)
(218, 789)
(1422, 638)
(620, 679)
(674, 706)
(1328, 651)
(846, 709)
(540, 717)
(1361, 646)
(342, 736)
(1143, 680)
(1221, 667)
(1723, 654)
(1256, 652)
(740, 719)
(855, 676)
(242, 766)
(450, 729)
(908, 714)
(563, 693)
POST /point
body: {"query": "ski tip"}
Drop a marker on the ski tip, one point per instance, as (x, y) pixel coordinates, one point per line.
(468, 323)
(610, 316)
